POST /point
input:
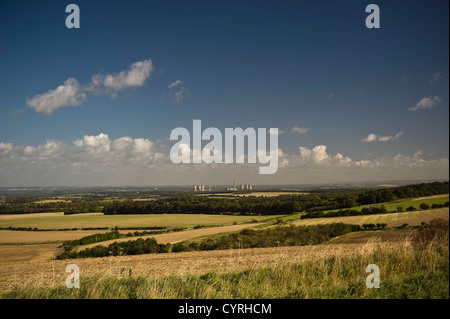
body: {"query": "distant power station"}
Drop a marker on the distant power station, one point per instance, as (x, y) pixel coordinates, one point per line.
(242, 187)
(198, 188)
(246, 187)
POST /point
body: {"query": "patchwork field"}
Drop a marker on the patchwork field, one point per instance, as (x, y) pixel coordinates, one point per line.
(392, 219)
(175, 237)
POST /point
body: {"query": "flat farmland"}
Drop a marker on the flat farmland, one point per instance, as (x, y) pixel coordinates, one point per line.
(392, 219)
(98, 220)
(29, 253)
(15, 237)
(256, 194)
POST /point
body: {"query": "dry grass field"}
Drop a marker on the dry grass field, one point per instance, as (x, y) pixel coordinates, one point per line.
(25, 253)
(392, 236)
(52, 273)
(393, 219)
(40, 237)
(96, 220)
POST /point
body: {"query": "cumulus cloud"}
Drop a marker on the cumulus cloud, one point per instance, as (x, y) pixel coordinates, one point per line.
(378, 138)
(426, 103)
(72, 93)
(300, 130)
(135, 76)
(68, 94)
(92, 152)
(100, 160)
(319, 158)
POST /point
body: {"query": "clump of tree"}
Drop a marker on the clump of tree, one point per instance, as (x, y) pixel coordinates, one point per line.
(271, 237)
(92, 239)
(132, 247)
(15, 206)
(82, 206)
(372, 210)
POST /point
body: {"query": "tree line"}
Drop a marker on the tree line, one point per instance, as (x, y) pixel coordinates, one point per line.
(74, 207)
(283, 204)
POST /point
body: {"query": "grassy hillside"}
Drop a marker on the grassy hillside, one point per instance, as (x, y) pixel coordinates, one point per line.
(404, 204)
(404, 274)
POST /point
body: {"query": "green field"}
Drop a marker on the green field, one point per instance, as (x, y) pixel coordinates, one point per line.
(391, 219)
(392, 206)
(59, 221)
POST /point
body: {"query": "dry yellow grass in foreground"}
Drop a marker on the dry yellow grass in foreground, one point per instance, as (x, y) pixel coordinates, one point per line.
(52, 273)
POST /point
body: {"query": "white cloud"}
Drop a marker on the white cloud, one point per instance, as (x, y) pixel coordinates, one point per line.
(300, 130)
(174, 84)
(71, 93)
(377, 138)
(426, 103)
(318, 158)
(135, 76)
(68, 94)
(100, 160)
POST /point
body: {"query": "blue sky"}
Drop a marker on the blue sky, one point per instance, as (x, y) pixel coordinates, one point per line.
(307, 64)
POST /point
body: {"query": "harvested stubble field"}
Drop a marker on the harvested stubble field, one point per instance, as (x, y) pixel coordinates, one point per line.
(392, 219)
(37, 237)
(52, 273)
(26, 253)
(96, 220)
